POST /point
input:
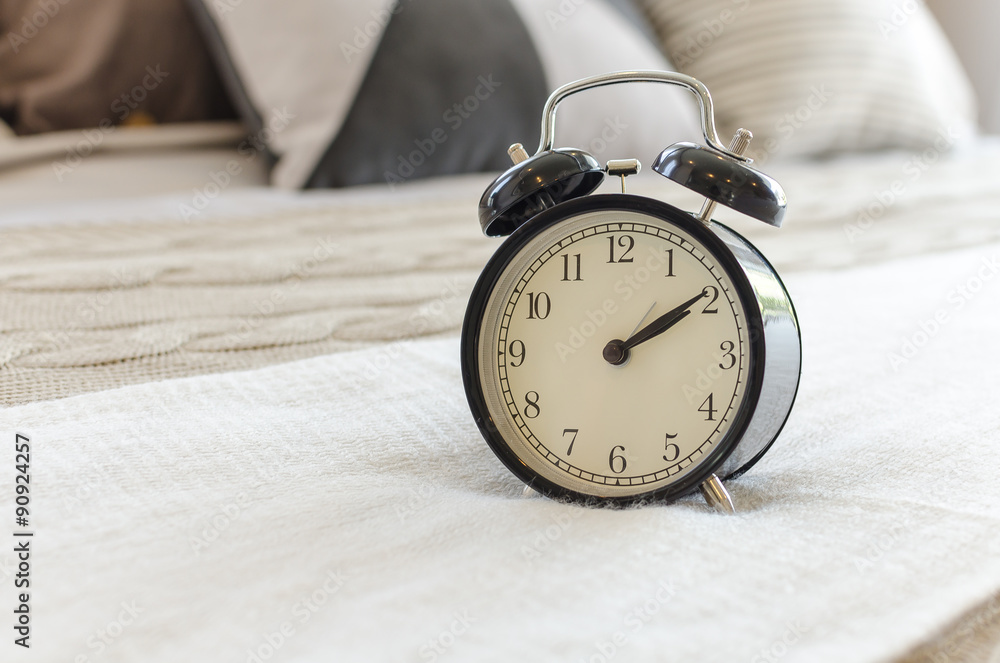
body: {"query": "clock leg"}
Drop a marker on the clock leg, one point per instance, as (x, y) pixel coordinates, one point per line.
(717, 496)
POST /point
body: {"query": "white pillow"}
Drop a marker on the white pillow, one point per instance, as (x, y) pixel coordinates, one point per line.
(972, 29)
(810, 77)
(576, 40)
(292, 70)
(359, 93)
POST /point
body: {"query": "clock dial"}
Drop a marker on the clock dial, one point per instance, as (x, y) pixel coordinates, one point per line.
(614, 354)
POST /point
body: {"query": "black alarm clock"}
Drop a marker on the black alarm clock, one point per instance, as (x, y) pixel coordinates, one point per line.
(618, 349)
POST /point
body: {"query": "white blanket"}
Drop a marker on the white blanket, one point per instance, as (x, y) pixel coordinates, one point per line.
(346, 508)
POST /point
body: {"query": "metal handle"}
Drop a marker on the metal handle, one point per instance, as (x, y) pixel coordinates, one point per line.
(643, 76)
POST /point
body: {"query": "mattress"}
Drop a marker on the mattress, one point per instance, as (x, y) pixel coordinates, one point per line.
(250, 439)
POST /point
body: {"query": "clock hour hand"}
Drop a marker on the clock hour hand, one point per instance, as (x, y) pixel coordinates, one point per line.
(616, 351)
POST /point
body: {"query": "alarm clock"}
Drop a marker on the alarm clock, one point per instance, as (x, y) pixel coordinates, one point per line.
(617, 349)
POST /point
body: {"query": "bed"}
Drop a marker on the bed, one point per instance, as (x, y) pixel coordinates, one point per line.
(250, 439)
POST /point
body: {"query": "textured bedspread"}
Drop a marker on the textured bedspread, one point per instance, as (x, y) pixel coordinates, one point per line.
(98, 306)
(150, 291)
(313, 487)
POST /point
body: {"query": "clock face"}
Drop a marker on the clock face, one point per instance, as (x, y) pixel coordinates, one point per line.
(614, 354)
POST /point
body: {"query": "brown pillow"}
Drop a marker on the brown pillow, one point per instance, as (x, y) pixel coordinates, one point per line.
(66, 64)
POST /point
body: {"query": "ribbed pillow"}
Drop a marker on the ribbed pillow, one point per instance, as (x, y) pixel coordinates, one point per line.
(347, 92)
(812, 77)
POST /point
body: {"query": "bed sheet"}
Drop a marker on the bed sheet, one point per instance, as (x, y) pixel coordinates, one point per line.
(44, 178)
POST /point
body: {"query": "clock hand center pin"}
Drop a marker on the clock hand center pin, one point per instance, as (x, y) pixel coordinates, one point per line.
(616, 355)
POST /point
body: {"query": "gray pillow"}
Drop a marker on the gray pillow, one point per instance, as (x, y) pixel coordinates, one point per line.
(348, 92)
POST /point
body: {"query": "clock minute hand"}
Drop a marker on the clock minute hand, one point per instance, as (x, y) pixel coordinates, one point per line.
(616, 351)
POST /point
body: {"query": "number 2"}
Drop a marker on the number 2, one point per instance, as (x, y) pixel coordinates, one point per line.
(715, 295)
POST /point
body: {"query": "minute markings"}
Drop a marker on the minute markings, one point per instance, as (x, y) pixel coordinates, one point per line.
(530, 281)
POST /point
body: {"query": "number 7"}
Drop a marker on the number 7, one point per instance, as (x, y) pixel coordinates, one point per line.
(574, 431)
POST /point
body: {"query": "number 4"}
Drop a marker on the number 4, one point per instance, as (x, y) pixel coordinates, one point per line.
(708, 409)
